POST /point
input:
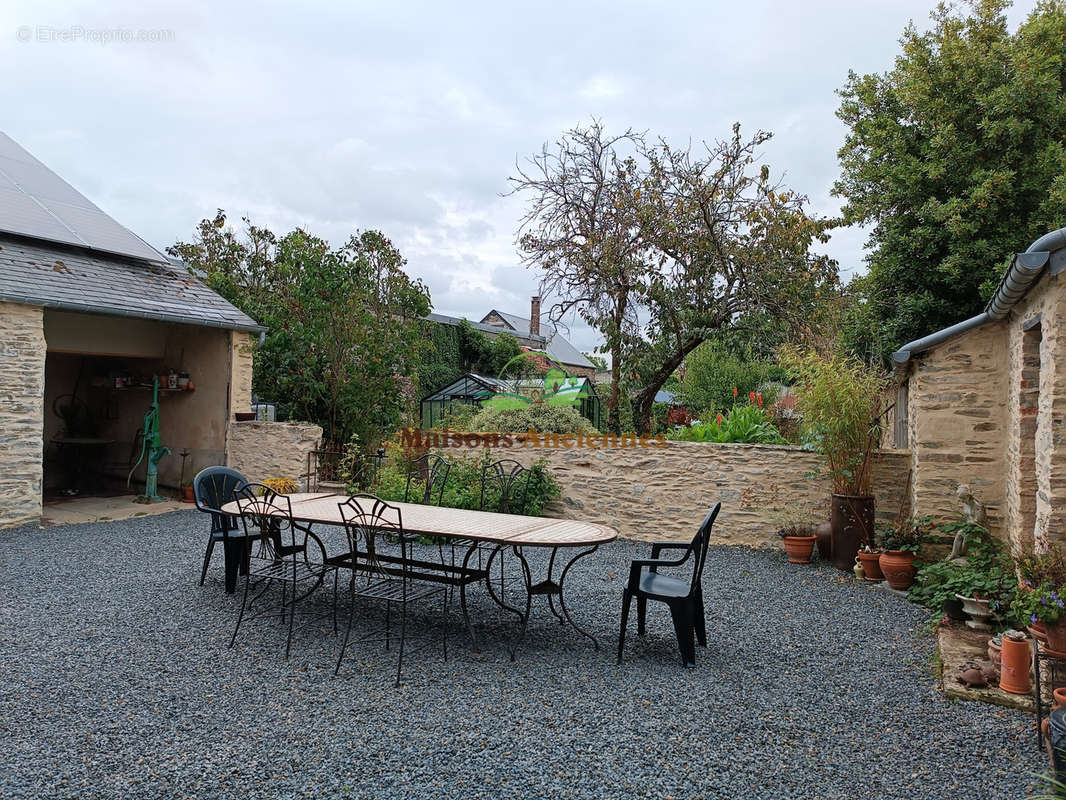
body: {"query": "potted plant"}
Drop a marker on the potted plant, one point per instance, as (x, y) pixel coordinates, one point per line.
(186, 492)
(899, 545)
(869, 558)
(797, 535)
(840, 399)
(1045, 604)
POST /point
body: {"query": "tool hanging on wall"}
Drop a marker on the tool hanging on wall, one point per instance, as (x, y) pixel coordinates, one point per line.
(153, 448)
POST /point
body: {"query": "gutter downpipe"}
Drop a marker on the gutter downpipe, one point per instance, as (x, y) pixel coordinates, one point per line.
(1023, 272)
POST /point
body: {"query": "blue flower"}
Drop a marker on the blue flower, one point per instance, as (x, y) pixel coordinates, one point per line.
(1043, 601)
(1033, 619)
(1059, 604)
(1054, 596)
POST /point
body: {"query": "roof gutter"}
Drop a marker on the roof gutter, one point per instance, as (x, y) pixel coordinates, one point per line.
(86, 308)
(1025, 268)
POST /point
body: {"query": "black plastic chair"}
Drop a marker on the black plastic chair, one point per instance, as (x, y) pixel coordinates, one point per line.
(281, 559)
(212, 488)
(684, 597)
(373, 525)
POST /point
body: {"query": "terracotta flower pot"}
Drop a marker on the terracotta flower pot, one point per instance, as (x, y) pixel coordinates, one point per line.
(1056, 637)
(1014, 669)
(898, 568)
(187, 495)
(1059, 697)
(995, 652)
(1038, 630)
(871, 567)
(799, 548)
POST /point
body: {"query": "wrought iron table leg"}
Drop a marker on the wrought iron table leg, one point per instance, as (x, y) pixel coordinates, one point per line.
(550, 587)
(562, 596)
(499, 600)
(462, 598)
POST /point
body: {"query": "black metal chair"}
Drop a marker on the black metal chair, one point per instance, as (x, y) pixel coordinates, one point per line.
(503, 489)
(684, 597)
(281, 559)
(373, 525)
(433, 469)
(212, 488)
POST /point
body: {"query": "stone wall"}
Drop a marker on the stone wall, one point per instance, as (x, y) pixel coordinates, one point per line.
(957, 424)
(1035, 463)
(242, 352)
(22, 355)
(652, 493)
(261, 450)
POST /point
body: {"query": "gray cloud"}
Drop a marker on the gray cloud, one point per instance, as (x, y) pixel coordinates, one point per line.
(409, 117)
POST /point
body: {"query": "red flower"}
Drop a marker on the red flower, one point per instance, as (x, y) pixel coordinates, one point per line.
(751, 397)
(734, 392)
(759, 397)
(720, 418)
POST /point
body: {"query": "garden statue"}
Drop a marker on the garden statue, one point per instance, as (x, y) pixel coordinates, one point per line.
(974, 511)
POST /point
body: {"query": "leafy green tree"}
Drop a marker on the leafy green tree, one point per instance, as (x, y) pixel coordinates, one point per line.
(453, 350)
(713, 371)
(344, 323)
(957, 158)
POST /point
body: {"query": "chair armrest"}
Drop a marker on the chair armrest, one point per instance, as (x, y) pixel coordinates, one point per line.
(656, 547)
(652, 563)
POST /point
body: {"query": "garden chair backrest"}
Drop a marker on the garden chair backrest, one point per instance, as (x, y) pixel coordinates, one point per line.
(212, 488)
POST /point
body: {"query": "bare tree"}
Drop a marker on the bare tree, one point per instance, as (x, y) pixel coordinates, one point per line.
(581, 231)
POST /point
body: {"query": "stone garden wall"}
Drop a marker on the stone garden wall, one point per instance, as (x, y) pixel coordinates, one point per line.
(663, 492)
(261, 450)
(22, 353)
(958, 421)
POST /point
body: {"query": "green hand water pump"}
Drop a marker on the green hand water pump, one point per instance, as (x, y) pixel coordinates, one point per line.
(152, 448)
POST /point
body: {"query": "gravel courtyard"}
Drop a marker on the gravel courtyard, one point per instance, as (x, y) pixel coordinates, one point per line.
(117, 683)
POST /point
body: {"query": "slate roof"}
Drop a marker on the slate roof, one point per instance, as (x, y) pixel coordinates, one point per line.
(481, 326)
(558, 347)
(39, 273)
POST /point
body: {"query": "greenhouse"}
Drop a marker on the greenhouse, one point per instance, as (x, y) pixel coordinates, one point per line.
(473, 389)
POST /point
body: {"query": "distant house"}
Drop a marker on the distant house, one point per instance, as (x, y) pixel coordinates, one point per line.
(982, 404)
(529, 335)
(89, 314)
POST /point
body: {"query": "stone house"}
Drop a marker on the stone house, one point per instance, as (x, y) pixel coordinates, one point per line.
(983, 402)
(89, 315)
(529, 333)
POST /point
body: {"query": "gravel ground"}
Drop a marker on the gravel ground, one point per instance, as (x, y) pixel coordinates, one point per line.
(117, 683)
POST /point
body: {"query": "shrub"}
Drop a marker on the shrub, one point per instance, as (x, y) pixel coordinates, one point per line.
(744, 424)
(463, 488)
(282, 485)
(986, 572)
(712, 371)
(840, 399)
(534, 417)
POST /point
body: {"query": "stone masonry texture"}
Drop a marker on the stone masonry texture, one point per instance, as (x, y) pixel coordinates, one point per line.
(261, 450)
(662, 493)
(22, 355)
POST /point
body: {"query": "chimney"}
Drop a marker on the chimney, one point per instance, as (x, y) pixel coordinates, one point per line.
(534, 315)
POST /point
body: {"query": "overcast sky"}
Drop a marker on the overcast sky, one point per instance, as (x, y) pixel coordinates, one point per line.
(408, 117)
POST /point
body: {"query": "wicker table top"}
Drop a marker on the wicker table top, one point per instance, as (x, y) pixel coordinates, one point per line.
(486, 526)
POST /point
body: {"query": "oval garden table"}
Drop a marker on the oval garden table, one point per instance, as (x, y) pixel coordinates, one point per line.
(479, 528)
